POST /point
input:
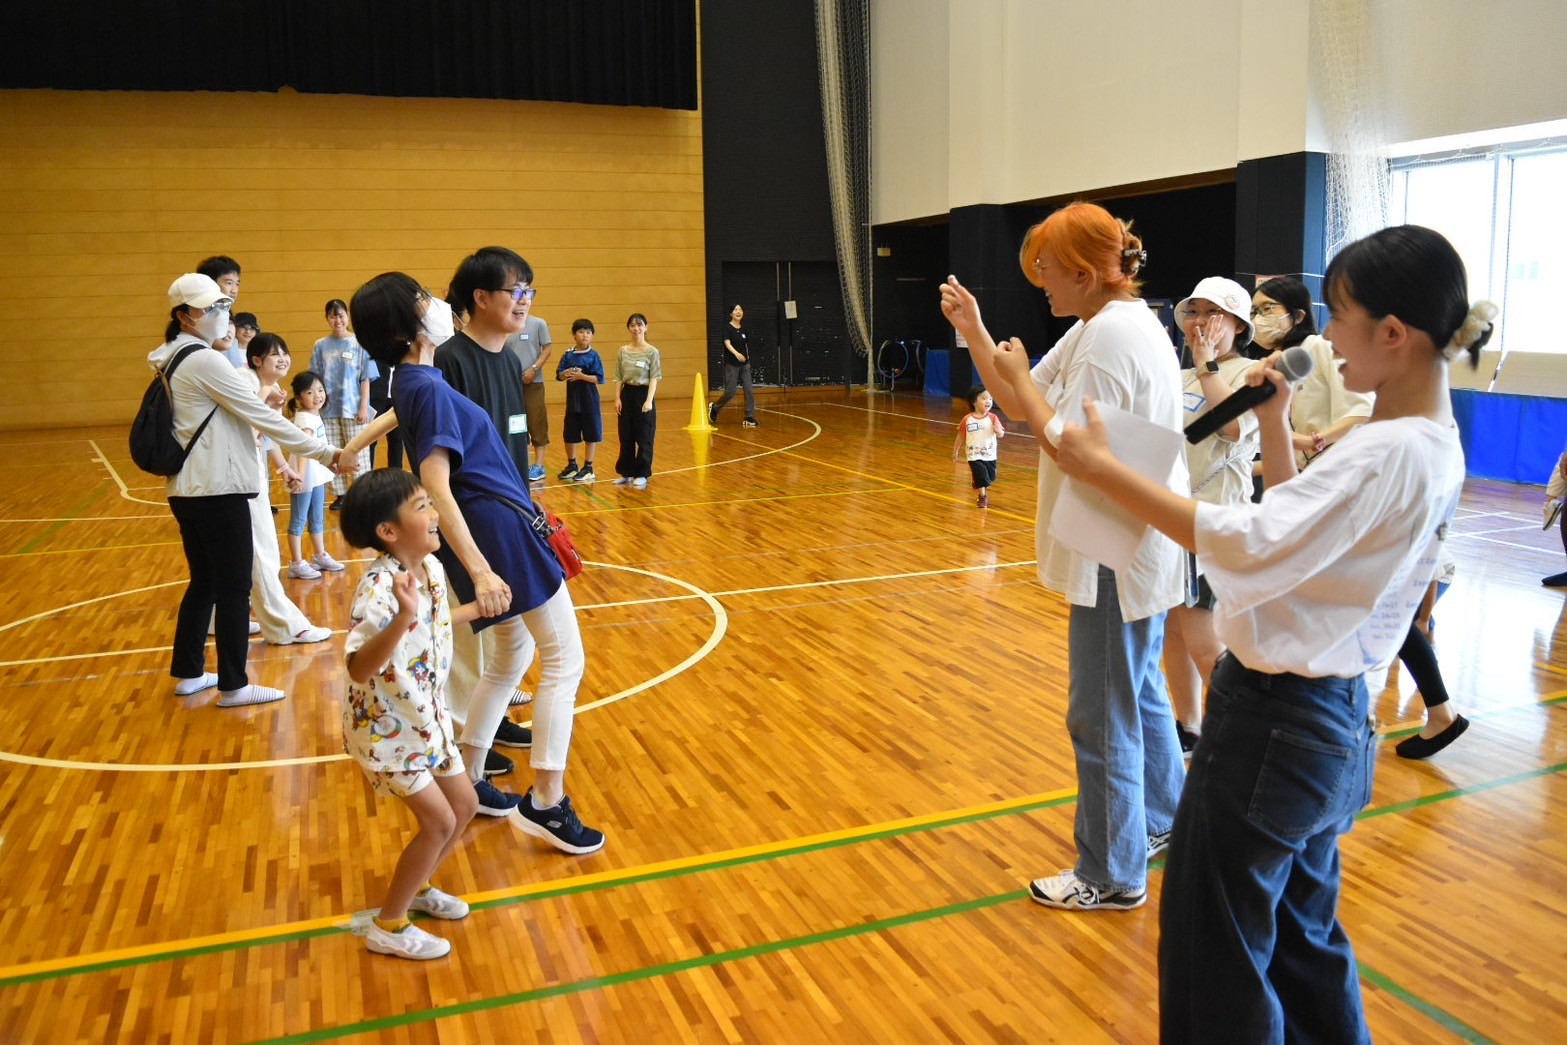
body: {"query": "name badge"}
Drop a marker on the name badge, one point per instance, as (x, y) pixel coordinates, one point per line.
(517, 424)
(1194, 401)
(973, 426)
(348, 354)
(641, 364)
(522, 337)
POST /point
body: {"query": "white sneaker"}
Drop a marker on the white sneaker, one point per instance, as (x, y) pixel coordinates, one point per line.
(303, 571)
(411, 942)
(326, 563)
(246, 696)
(518, 698)
(624, 480)
(437, 904)
(1071, 893)
(639, 483)
(314, 633)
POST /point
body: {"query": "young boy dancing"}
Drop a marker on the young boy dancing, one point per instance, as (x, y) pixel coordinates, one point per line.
(396, 723)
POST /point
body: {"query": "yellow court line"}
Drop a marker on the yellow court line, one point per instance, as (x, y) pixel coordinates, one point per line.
(513, 892)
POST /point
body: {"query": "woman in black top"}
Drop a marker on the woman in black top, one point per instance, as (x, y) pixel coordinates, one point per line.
(734, 346)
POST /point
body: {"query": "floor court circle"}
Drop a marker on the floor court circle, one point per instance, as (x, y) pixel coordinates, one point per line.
(720, 628)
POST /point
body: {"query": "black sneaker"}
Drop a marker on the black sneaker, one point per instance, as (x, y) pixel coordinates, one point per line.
(559, 826)
(336, 505)
(493, 801)
(509, 734)
(568, 472)
(1187, 738)
(712, 413)
(497, 764)
(752, 422)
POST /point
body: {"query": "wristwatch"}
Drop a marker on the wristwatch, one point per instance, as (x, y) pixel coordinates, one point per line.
(1211, 367)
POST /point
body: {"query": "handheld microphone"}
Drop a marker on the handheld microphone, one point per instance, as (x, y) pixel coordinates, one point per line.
(1295, 364)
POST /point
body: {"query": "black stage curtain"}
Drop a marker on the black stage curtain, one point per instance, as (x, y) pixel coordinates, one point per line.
(605, 52)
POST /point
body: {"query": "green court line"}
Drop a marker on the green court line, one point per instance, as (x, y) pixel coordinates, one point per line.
(1446, 1020)
(564, 889)
(648, 972)
(1485, 713)
(568, 888)
(70, 514)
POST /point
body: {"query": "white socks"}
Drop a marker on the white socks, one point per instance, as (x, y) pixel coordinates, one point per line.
(185, 687)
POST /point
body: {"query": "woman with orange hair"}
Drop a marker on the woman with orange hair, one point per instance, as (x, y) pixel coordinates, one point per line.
(1129, 767)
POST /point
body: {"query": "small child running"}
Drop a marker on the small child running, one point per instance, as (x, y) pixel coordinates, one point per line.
(977, 435)
(396, 723)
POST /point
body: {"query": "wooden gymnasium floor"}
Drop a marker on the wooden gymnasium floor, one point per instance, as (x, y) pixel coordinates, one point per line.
(821, 724)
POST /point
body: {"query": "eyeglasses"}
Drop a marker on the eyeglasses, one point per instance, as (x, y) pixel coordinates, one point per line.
(1272, 308)
(518, 293)
(221, 306)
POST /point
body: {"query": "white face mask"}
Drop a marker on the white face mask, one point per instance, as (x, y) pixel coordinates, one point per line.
(1272, 329)
(212, 326)
(438, 321)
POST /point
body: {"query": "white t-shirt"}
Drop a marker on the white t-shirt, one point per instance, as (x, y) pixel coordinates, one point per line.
(1321, 398)
(1323, 577)
(980, 435)
(1227, 463)
(313, 472)
(1123, 357)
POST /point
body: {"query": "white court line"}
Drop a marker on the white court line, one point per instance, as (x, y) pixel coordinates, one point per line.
(1499, 529)
(1508, 544)
(720, 629)
(125, 491)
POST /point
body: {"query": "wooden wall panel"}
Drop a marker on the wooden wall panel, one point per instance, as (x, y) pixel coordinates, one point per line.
(106, 197)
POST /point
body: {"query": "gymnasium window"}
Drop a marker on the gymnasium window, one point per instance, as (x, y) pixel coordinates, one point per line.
(1504, 211)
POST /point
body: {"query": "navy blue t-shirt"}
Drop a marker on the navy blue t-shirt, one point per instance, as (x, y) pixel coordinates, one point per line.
(493, 497)
(582, 397)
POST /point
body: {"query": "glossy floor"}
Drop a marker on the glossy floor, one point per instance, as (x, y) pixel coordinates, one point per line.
(821, 725)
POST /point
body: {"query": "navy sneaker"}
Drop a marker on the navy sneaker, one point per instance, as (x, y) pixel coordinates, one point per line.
(493, 801)
(559, 826)
(497, 764)
(509, 734)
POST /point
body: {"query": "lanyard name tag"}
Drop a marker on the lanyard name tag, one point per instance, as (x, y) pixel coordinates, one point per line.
(1194, 401)
(517, 424)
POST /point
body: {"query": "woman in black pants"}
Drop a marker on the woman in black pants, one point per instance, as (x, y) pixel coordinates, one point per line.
(734, 345)
(216, 413)
(637, 373)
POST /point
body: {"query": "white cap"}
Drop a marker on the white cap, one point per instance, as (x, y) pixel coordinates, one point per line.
(195, 290)
(1228, 295)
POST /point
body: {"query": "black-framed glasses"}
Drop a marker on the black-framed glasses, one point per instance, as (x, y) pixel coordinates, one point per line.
(518, 293)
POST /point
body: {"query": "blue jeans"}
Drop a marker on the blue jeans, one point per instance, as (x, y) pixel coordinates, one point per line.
(1129, 771)
(1249, 937)
(309, 507)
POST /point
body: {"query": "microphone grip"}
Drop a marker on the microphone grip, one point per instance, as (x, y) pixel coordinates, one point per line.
(1245, 398)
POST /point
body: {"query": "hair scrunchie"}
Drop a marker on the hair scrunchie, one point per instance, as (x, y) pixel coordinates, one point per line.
(1476, 324)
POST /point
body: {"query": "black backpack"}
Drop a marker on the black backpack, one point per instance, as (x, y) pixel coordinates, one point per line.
(153, 446)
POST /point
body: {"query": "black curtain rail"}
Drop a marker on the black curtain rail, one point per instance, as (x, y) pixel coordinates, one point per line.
(600, 52)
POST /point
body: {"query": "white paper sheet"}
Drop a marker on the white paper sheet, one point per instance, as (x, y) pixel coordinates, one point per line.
(1086, 520)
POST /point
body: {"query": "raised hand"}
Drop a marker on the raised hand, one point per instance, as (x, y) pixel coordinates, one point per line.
(406, 589)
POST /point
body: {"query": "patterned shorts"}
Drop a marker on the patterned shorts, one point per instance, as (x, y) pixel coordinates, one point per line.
(406, 785)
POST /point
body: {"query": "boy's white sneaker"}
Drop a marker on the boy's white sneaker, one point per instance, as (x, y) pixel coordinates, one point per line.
(437, 904)
(410, 942)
